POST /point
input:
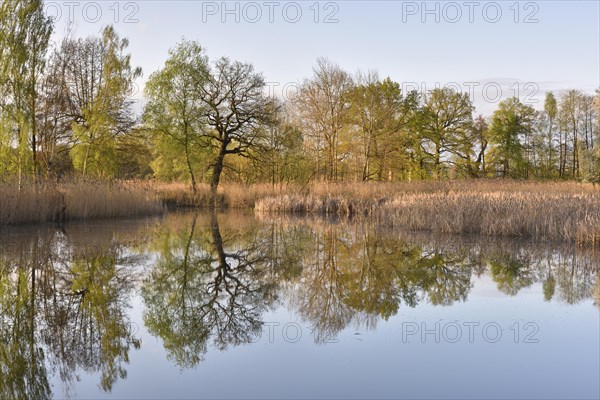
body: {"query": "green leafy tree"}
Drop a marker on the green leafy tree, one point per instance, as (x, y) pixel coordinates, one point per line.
(280, 157)
(25, 33)
(550, 112)
(379, 112)
(221, 107)
(100, 82)
(445, 123)
(510, 123)
(575, 122)
(175, 112)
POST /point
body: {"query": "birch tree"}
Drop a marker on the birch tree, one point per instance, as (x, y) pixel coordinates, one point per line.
(24, 39)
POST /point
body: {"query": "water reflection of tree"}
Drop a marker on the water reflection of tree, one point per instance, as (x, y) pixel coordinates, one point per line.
(574, 278)
(68, 304)
(362, 275)
(321, 289)
(213, 285)
(63, 307)
(564, 272)
(88, 324)
(22, 359)
(207, 285)
(511, 273)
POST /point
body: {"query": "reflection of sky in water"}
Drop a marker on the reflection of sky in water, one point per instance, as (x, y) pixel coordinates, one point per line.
(377, 362)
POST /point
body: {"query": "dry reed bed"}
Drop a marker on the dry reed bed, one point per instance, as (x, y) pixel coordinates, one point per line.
(571, 218)
(547, 211)
(78, 200)
(29, 204)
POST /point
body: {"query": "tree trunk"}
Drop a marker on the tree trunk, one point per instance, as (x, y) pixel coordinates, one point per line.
(34, 140)
(367, 166)
(87, 155)
(549, 167)
(190, 169)
(20, 158)
(438, 170)
(560, 154)
(331, 160)
(575, 150)
(33, 117)
(216, 174)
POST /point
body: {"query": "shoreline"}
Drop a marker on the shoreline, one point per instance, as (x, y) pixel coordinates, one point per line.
(548, 211)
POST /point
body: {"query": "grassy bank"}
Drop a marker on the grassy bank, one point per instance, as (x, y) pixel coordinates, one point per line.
(548, 211)
(74, 201)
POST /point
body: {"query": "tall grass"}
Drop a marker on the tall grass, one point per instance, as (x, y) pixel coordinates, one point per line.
(548, 211)
(76, 200)
(28, 204)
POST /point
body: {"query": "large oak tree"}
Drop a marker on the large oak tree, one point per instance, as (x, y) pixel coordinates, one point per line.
(222, 105)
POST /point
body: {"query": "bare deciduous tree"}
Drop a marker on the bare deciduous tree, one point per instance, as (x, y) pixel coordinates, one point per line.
(323, 108)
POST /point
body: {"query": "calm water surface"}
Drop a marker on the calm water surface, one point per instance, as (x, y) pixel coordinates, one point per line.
(233, 306)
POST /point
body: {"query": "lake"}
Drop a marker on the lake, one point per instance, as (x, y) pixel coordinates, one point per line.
(194, 305)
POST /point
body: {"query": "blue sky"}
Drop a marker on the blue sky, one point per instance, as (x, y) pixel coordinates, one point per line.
(490, 49)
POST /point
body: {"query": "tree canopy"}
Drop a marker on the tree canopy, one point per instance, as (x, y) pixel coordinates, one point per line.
(70, 110)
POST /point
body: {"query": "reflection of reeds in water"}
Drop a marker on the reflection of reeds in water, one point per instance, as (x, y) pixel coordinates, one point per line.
(548, 211)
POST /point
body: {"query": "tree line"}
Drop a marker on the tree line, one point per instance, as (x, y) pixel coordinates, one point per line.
(67, 109)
